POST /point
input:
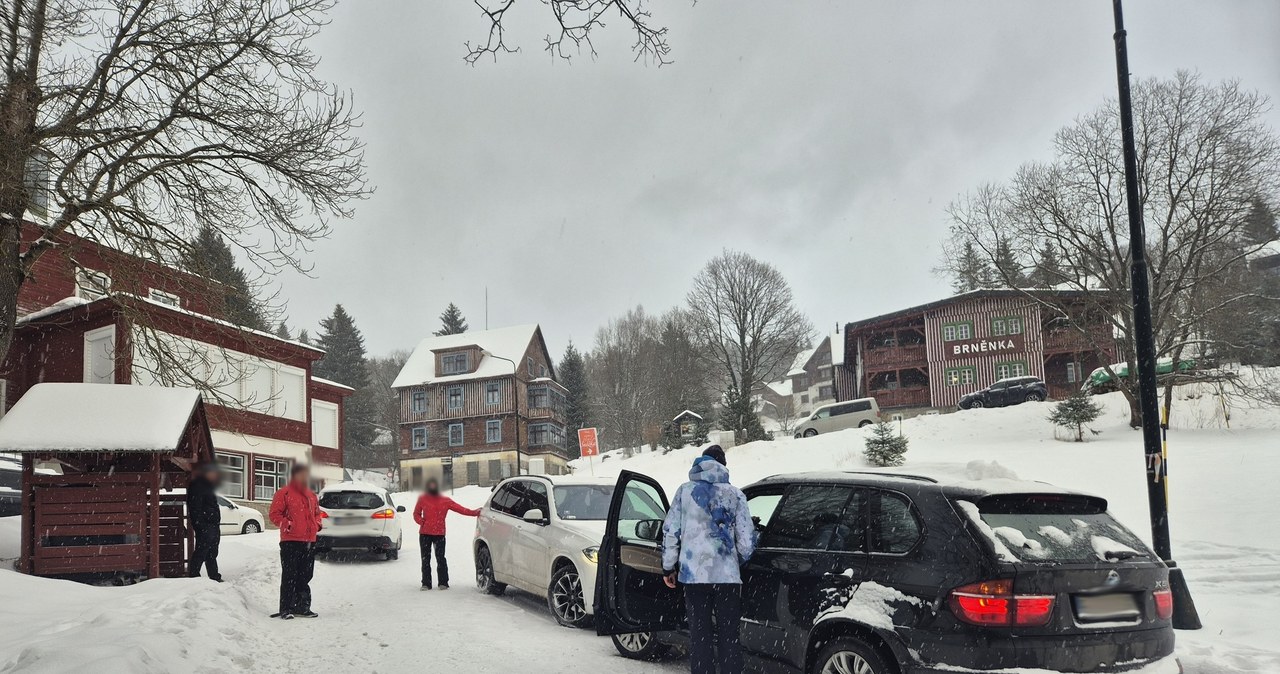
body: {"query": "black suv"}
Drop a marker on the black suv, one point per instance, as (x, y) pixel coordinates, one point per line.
(882, 574)
(1011, 391)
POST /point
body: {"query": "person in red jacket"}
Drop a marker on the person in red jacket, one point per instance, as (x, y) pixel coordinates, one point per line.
(296, 512)
(429, 513)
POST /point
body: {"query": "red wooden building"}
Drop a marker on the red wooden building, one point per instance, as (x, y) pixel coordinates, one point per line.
(116, 449)
(93, 314)
(929, 356)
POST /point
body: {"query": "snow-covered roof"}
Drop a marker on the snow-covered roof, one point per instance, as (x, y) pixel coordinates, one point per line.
(57, 307)
(782, 388)
(330, 382)
(72, 417)
(509, 343)
(802, 359)
(690, 413)
(837, 348)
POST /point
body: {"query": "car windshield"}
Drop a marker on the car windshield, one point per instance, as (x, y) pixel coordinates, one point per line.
(350, 500)
(583, 502)
(1055, 528)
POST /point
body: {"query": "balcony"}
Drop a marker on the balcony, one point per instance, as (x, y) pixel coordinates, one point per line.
(1071, 340)
(902, 397)
(551, 413)
(891, 357)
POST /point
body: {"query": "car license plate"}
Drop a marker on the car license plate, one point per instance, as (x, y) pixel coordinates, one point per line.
(347, 520)
(1106, 607)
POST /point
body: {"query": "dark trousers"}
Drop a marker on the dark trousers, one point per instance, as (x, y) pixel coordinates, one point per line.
(425, 543)
(714, 611)
(206, 551)
(297, 565)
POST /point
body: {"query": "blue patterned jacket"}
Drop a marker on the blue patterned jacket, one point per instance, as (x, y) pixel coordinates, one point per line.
(708, 534)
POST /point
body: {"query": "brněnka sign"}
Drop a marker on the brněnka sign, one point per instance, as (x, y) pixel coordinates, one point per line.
(984, 346)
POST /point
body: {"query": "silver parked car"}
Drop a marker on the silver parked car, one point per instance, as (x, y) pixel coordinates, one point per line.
(839, 416)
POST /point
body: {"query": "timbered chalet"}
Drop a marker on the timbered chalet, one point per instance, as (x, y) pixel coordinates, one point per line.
(93, 314)
(473, 404)
(928, 356)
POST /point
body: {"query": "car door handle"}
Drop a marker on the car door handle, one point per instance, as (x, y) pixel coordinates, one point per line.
(839, 578)
(792, 564)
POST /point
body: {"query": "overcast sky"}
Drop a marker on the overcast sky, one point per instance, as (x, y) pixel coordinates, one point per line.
(826, 137)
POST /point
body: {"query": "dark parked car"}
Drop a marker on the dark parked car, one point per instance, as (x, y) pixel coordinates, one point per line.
(883, 574)
(1011, 391)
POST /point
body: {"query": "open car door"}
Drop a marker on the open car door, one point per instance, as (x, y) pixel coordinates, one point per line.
(630, 594)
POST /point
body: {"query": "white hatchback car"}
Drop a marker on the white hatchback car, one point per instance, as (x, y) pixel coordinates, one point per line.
(358, 516)
(238, 519)
(541, 534)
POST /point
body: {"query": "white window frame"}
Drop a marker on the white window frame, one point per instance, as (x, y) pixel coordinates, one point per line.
(316, 420)
(92, 340)
(86, 291)
(229, 468)
(165, 298)
(1073, 373)
(278, 478)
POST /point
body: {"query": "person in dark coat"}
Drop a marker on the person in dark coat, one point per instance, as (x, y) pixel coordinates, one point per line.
(205, 518)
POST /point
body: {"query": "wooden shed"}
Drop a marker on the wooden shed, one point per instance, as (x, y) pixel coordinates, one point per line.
(117, 448)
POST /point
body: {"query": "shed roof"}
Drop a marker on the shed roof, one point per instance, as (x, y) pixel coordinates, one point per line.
(72, 417)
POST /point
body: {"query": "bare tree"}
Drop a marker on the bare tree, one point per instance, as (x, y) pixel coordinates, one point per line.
(576, 20)
(624, 388)
(746, 321)
(1206, 155)
(134, 123)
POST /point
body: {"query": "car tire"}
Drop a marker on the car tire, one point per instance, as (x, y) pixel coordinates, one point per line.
(393, 554)
(864, 423)
(639, 646)
(809, 433)
(565, 598)
(848, 654)
(484, 573)
(251, 527)
(1034, 397)
(975, 405)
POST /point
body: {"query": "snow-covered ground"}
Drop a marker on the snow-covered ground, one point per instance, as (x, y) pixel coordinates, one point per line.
(374, 618)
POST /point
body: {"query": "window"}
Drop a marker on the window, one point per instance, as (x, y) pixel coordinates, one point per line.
(455, 436)
(1006, 325)
(529, 365)
(324, 423)
(542, 370)
(957, 331)
(1011, 369)
(92, 285)
(1073, 373)
(420, 438)
(957, 376)
(493, 393)
(418, 402)
(536, 498)
(352, 500)
(100, 356)
(507, 498)
(493, 431)
(455, 397)
(455, 363)
(762, 506)
(809, 518)
(850, 535)
(4, 397)
(473, 472)
(546, 434)
(232, 474)
(163, 297)
(268, 477)
(894, 528)
(825, 392)
(495, 470)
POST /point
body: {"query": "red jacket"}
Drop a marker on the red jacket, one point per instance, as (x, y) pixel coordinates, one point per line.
(430, 512)
(297, 512)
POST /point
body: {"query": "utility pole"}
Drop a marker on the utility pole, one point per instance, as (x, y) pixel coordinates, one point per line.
(1185, 616)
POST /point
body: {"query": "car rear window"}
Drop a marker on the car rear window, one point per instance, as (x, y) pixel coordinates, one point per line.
(350, 500)
(1054, 528)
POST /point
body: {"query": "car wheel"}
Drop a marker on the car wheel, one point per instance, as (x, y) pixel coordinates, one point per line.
(564, 596)
(484, 573)
(976, 404)
(393, 554)
(847, 655)
(864, 423)
(1034, 397)
(638, 646)
(251, 527)
(809, 433)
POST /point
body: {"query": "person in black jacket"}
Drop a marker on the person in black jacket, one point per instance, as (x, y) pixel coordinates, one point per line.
(206, 519)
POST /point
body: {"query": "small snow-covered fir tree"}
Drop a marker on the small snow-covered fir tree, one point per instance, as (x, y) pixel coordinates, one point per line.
(885, 447)
(452, 322)
(1075, 413)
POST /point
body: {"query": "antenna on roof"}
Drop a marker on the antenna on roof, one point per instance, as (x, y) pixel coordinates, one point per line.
(486, 307)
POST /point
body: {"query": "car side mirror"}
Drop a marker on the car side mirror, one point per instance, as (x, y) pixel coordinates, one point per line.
(649, 530)
(534, 516)
(399, 509)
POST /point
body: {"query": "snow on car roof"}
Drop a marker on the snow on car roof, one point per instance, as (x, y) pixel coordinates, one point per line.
(510, 343)
(73, 417)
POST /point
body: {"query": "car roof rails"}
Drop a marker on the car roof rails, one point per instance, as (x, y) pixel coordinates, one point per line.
(905, 476)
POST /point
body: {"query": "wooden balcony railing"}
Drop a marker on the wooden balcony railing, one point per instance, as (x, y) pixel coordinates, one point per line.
(902, 397)
(1073, 340)
(911, 355)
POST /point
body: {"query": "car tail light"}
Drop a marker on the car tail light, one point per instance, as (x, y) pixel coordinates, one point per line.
(387, 514)
(993, 603)
(324, 515)
(1164, 604)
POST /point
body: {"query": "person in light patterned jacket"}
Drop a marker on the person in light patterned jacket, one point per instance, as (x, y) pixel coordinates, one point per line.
(707, 536)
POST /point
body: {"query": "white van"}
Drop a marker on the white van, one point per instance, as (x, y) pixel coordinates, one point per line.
(839, 416)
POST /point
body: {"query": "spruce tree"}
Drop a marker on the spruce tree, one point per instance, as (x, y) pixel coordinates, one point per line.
(210, 256)
(1007, 267)
(1259, 224)
(452, 322)
(739, 415)
(304, 336)
(1048, 269)
(972, 272)
(344, 362)
(573, 376)
(1075, 413)
(282, 331)
(885, 447)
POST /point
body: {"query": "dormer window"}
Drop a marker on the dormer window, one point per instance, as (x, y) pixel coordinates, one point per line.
(92, 285)
(455, 363)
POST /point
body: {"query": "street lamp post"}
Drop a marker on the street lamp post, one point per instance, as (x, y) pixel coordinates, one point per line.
(1185, 616)
(515, 391)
